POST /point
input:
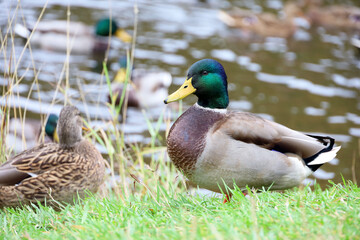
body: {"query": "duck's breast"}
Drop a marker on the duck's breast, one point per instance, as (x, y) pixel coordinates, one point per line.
(187, 136)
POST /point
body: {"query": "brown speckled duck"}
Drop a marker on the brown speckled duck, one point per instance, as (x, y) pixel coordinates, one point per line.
(53, 171)
(264, 24)
(213, 146)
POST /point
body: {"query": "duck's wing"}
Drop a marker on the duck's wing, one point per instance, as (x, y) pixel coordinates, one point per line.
(249, 128)
(9, 174)
(34, 161)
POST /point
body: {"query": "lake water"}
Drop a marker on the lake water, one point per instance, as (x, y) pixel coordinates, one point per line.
(309, 82)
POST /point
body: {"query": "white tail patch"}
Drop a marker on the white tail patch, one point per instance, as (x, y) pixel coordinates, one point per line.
(21, 31)
(325, 157)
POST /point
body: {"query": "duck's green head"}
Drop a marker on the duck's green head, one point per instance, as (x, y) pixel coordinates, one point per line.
(50, 127)
(105, 27)
(207, 80)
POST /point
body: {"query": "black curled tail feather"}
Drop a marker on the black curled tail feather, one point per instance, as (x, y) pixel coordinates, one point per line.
(329, 143)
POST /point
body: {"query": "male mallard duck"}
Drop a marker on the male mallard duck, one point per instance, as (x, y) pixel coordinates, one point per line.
(52, 35)
(28, 132)
(146, 89)
(335, 16)
(53, 171)
(214, 147)
(264, 24)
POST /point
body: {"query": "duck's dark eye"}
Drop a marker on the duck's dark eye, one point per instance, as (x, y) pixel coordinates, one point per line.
(204, 72)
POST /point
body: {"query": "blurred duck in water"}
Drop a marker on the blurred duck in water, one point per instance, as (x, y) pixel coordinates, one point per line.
(342, 17)
(333, 16)
(146, 88)
(53, 172)
(52, 35)
(26, 134)
(266, 24)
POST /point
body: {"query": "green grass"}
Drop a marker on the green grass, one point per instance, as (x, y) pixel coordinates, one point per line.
(333, 213)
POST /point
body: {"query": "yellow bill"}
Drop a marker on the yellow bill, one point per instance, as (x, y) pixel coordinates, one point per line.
(120, 76)
(185, 90)
(55, 137)
(123, 35)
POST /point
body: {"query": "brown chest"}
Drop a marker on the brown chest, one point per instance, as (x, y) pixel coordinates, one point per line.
(186, 139)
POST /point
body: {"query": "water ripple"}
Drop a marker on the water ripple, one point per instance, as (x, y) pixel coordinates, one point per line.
(303, 84)
(346, 82)
(223, 54)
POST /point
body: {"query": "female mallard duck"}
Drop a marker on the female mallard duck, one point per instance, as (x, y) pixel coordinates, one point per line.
(214, 147)
(146, 89)
(52, 35)
(335, 16)
(29, 133)
(264, 24)
(53, 171)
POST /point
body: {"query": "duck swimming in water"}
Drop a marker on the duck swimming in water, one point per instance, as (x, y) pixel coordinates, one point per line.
(265, 24)
(147, 88)
(22, 134)
(53, 35)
